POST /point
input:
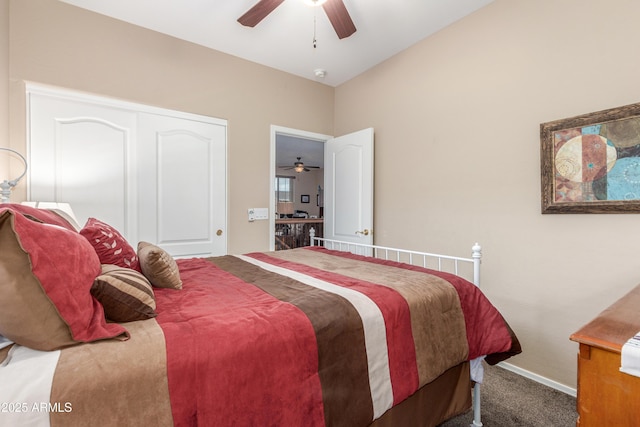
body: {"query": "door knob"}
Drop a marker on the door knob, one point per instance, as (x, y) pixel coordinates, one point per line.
(365, 232)
(219, 232)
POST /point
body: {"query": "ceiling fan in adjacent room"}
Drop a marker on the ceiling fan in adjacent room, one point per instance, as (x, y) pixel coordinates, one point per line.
(335, 9)
(300, 167)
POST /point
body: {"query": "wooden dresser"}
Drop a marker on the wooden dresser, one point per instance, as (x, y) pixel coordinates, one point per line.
(606, 396)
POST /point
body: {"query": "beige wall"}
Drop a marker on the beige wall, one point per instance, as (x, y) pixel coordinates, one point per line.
(57, 44)
(457, 158)
(4, 88)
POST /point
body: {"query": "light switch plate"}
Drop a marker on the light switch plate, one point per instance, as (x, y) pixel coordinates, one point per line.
(258, 213)
(261, 213)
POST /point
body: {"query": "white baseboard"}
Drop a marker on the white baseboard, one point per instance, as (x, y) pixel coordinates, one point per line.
(539, 379)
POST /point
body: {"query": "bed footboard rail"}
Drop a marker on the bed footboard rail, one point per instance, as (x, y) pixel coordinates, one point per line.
(453, 264)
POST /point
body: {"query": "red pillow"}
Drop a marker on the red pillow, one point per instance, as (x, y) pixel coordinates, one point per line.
(109, 244)
(46, 274)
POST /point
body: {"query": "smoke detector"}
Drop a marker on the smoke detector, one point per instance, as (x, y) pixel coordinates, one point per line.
(320, 73)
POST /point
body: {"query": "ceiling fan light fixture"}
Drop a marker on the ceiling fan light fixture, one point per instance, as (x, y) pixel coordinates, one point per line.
(335, 10)
(314, 3)
(300, 167)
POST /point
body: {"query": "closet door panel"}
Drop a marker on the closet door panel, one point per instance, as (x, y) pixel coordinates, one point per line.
(83, 154)
(185, 184)
(184, 179)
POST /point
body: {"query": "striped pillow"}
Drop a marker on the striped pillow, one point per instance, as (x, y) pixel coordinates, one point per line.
(125, 294)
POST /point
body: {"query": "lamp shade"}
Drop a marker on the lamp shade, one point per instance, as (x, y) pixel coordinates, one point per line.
(62, 209)
(285, 208)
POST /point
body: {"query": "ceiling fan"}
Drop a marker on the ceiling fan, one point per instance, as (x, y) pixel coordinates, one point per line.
(335, 10)
(300, 167)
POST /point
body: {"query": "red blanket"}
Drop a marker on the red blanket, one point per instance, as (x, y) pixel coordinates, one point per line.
(314, 337)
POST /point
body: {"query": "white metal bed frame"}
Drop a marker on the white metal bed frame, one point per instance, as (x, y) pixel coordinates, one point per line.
(447, 263)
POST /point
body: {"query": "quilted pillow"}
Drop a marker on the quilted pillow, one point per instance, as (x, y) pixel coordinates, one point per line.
(46, 273)
(125, 294)
(109, 244)
(158, 266)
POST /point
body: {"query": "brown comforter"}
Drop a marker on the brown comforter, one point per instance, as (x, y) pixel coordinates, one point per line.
(303, 337)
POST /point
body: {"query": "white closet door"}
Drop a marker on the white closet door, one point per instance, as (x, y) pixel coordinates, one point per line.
(84, 154)
(155, 175)
(182, 184)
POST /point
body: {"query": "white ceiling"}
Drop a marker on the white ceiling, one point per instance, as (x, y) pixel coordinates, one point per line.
(289, 148)
(284, 39)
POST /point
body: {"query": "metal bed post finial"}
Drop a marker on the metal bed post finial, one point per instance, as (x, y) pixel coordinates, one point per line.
(476, 255)
(312, 236)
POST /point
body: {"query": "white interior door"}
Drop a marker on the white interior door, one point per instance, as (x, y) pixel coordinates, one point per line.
(182, 182)
(84, 154)
(348, 196)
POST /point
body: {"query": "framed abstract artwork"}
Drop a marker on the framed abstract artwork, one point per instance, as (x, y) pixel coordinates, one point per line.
(591, 163)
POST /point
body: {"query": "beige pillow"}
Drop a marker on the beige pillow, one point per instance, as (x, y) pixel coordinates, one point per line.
(158, 266)
(125, 294)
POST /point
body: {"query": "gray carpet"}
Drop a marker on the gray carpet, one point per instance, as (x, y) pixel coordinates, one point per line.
(510, 400)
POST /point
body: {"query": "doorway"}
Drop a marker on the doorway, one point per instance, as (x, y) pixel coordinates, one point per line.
(297, 164)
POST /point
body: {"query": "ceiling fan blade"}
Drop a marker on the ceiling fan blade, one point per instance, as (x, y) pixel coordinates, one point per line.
(258, 12)
(339, 16)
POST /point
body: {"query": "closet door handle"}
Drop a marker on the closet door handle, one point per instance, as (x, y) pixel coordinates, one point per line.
(219, 232)
(365, 232)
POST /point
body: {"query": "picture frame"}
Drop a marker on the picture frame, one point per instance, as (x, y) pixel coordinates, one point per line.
(304, 198)
(591, 163)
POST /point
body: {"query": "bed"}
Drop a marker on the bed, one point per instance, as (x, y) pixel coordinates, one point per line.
(95, 331)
